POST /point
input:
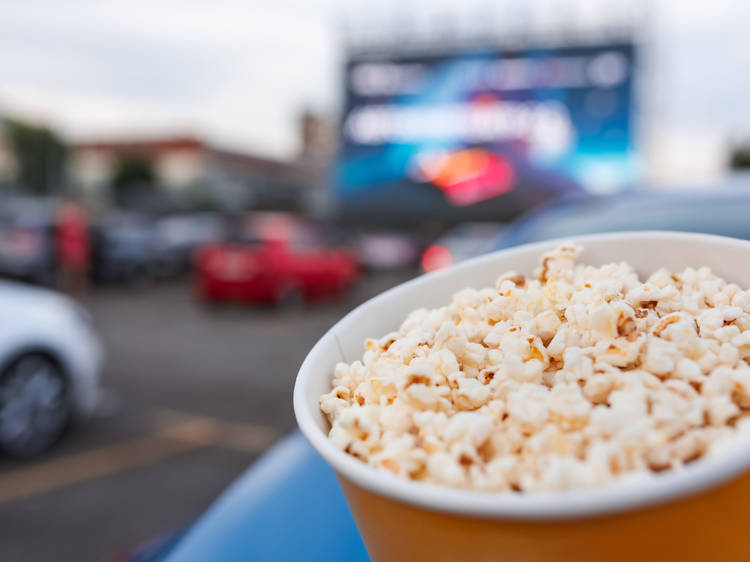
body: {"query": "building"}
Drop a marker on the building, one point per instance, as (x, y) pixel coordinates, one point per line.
(186, 166)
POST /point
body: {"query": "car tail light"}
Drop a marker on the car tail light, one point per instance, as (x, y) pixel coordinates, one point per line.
(436, 257)
(21, 241)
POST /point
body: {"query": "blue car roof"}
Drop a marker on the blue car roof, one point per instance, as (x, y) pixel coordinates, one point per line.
(287, 507)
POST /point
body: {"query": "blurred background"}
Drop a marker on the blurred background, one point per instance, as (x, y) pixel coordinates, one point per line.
(214, 184)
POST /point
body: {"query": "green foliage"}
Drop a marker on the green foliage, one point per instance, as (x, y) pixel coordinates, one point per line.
(740, 159)
(133, 181)
(40, 157)
(133, 172)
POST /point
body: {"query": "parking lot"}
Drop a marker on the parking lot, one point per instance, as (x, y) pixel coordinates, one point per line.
(193, 395)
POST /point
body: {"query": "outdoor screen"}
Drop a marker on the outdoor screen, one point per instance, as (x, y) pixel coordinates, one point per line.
(485, 134)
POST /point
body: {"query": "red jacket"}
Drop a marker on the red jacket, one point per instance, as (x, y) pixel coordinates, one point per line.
(73, 246)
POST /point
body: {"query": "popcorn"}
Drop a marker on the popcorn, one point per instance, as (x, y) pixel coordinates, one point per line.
(581, 376)
(688, 370)
(527, 406)
(471, 394)
(597, 388)
(660, 357)
(568, 406)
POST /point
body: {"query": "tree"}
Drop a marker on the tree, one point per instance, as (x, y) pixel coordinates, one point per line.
(740, 159)
(40, 157)
(134, 172)
(133, 179)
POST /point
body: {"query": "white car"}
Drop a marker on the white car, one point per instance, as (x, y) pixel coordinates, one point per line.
(50, 361)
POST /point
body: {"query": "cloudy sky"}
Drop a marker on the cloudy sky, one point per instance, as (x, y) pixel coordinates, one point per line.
(240, 72)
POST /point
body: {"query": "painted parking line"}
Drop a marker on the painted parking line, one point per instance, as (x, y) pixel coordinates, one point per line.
(177, 433)
(245, 437)
(80, 467)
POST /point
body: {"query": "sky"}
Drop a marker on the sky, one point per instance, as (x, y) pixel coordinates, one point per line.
(239, 73)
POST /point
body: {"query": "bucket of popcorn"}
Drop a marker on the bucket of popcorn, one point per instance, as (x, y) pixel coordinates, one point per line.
(566, 401)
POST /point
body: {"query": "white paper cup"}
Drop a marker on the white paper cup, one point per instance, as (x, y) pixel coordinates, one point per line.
(697, 513)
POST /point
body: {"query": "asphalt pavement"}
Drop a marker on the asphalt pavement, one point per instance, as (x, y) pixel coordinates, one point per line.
(194, 394)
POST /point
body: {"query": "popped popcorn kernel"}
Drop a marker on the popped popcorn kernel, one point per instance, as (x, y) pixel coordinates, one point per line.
(578, 376)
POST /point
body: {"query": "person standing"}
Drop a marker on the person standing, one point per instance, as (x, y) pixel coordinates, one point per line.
(73, 247)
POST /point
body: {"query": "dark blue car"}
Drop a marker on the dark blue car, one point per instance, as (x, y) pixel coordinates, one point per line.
(718, 211)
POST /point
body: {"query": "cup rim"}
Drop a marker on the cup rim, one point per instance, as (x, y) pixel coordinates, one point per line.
(626, 495)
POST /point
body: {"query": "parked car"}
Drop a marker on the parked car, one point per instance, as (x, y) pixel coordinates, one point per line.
(50, 360)
(27, 241)
(721, 211)
(272, 272)
(181, 236)
(461, 242)
(272, 258)
(387, 250)
(125, 249)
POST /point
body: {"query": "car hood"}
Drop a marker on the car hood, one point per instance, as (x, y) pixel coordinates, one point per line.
(29, 301)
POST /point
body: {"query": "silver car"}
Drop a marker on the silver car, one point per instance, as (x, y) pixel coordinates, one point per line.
(50, 360)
